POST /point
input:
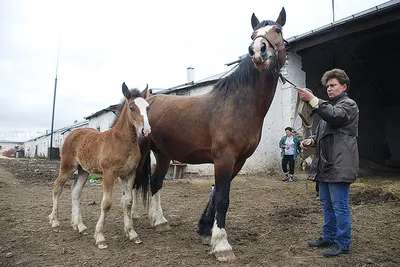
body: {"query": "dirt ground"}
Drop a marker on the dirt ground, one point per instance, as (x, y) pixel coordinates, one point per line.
(268, 223)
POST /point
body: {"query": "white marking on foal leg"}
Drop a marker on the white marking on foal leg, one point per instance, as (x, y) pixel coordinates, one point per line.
(156, 215)
(106, 203)
(220, 246)
(76, 217)
(135, 197)
(53, 217)
(57, 190)
(127, 206)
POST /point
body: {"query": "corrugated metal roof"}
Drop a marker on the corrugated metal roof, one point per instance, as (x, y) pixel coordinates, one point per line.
(62, 130)
(198, 83)
(104, 110)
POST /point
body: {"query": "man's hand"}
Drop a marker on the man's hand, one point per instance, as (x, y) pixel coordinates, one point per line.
(306, 143)
(304, 94)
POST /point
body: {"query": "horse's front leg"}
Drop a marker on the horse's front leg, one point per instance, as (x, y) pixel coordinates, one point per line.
(156, 216)
(224, 170)
(106, 203)
(207, 219)
(127, 185)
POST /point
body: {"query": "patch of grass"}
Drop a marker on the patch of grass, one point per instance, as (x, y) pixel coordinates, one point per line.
(95, 176)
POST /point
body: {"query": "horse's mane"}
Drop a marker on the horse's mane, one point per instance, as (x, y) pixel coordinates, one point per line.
(245, 74)
(265, 23)
(134, 94)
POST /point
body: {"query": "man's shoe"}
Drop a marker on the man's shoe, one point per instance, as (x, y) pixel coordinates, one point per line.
(334, 250)
(285, 177)
(291, 179)
(319, 243)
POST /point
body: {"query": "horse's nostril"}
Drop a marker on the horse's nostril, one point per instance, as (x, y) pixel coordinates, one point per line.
(263, 48)
(251, 51)
(142, 131)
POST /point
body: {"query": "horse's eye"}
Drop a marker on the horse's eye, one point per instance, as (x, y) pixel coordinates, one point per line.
(132, 108)
(278, 30)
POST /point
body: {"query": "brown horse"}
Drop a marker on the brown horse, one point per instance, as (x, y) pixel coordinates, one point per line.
(221, 127)
(113, 153)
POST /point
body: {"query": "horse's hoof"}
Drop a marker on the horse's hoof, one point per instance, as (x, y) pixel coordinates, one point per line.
(102, 245)
(56, 228)
(84, 232)
(224, 256)
(163, 227)
(137, 240)
(206, 240)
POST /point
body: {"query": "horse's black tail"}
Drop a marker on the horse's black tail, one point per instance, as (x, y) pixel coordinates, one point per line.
(145, 180)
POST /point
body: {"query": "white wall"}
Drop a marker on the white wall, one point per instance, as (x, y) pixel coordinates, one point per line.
(102, 122)
(5, 146)
(42, 143)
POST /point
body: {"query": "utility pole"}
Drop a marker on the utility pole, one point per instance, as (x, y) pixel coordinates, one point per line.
(54, 104)
(333, 10)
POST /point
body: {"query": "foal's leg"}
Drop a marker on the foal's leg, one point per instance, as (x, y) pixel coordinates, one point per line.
(106, 203)
(127, 184)
(156, 215)
(76, 217)
(67, 168)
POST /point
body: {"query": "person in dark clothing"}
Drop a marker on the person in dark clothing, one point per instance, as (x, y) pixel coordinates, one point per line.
(336, 159)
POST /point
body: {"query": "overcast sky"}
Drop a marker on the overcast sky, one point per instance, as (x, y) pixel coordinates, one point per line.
(105, 43)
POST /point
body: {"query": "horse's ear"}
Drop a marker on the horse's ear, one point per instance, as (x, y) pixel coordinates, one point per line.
(282, 17)
(126, 91)
(254, 21)
(145, 92)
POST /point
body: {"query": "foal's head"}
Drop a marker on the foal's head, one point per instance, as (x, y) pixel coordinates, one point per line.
(268, 46)
(137, 106)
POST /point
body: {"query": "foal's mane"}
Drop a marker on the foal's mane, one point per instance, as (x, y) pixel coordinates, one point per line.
(134, 94)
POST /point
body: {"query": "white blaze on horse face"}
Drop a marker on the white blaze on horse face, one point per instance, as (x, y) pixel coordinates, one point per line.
(142, 105)
(259, 42)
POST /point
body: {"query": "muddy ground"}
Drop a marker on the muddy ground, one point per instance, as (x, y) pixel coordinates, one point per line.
(268, 223)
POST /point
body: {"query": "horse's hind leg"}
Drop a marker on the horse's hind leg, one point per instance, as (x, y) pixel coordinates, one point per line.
(67, 168)
(127, 184)
(76, 217)
(156, 215)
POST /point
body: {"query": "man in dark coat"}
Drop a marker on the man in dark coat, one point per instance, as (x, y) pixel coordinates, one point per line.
(336, 159)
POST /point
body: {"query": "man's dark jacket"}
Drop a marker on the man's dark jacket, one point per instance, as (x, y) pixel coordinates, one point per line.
(336, 155)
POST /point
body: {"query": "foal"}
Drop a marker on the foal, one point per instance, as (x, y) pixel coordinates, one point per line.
(113, 153)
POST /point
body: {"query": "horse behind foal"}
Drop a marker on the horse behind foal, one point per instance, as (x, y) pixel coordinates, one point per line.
(113, 153)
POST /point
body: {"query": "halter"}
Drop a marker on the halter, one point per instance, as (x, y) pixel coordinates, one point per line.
(278, 50)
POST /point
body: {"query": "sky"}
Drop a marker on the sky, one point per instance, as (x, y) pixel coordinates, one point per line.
(101, 44)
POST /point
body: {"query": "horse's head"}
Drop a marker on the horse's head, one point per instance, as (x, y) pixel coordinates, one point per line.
(268, 45)
(137, 106)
